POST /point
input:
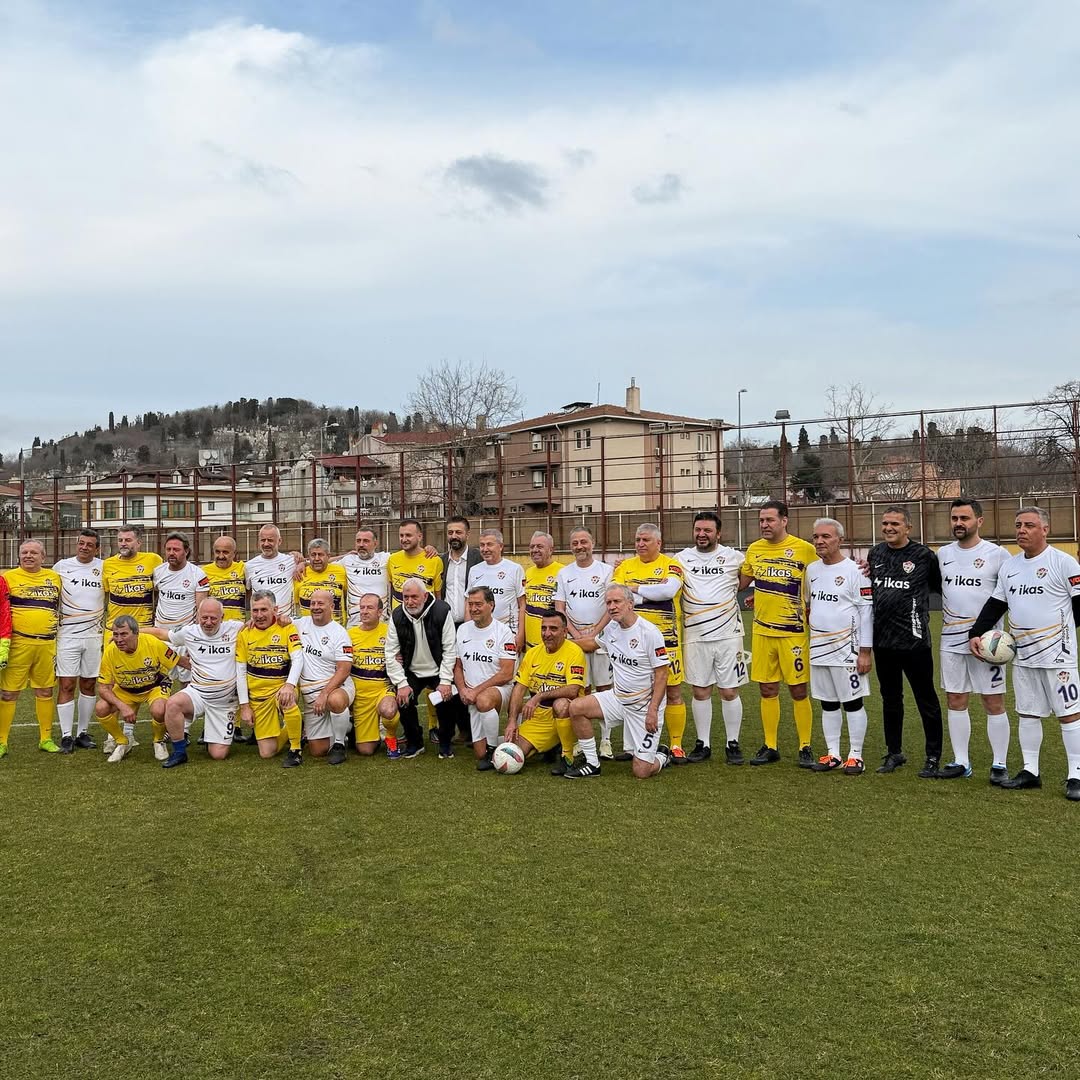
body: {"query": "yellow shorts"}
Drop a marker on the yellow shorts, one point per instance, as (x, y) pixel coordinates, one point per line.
(780, 659)
(540, 730)
(365, 710)
(133, 701)
(267, 713)
(32, 663)
(675, 674)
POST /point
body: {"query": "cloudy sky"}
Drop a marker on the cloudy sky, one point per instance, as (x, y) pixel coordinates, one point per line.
(320, 198)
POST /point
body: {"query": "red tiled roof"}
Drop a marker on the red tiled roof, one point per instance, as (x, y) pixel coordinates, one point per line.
(351, 461)
(596, 412)
(416, 438)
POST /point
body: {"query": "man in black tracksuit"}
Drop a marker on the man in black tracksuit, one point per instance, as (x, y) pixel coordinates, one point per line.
(903, 573)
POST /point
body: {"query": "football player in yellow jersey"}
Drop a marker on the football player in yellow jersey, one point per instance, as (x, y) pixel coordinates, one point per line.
(655, 580)
(127, 579)
(226, 577)
(136, 669)
(776, 564)
(269, 661)
(540, 581)
(320, 575)
(375, 700)
(412, 561)
(34, 596)
(553, 674)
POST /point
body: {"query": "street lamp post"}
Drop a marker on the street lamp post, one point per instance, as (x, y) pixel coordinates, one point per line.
(783, 416)
(738, 430)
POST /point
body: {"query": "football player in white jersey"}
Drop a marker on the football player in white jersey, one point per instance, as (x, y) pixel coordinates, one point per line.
(366, 568)
(639, 661)
(841, 619)
(326, 678)
(78, 641)
(1040, 590)
(180, 585)
(210, 646)
(713, 635)
(969, 575)
(273, 569)
(506, 580)
(484, 672)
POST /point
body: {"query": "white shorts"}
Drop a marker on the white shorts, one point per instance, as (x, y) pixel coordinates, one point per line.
(599, 664)
(837, 683)
(962, 673)
(320, 727)
(218, 713)
(1046, 691)
(474, 713)
(79, 658)
(633, 720)
(716, 663)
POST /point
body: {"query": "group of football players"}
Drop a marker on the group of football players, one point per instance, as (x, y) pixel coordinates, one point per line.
(308, 653)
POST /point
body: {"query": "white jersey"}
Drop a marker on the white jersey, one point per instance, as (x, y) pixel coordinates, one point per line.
(968, 578)
(582, 589)
(1039, 593)
(176, 591)
(213, 658)
(481, 650)
(710, 594)
(82, 601)
(506, 580)
(841, 613)
(365, 576)
(275, 575)
(324, 647)
(635, 653)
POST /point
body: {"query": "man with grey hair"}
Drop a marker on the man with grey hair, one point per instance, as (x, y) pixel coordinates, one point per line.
(903, 573)
(540, 581)
(320, 575)
(1040, 590)
(505, 579)
(838, 598)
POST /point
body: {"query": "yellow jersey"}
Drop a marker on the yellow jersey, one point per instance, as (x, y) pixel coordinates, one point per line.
(369, 661)
(778, 571)
(400, 566)
(129, 587)
(35, 603)
(149, 666)
(539, 599)
(229, 587)
(665, 615)
(268, 654)
(334, 579)
(541, 670)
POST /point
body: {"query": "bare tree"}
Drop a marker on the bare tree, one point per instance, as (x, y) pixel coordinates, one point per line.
(464, 400)
(857, 411)
(959, 451)
(1057, 419)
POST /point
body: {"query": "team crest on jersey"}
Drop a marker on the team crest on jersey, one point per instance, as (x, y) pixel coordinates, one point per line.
(796, 650)
(1063, 676)
(839, 579)
(656, 572)
(908, 567)
(139, 568)
(325, 640)
(788, 552)
(96, 573)
(382, 640)
(559, 666)
(1041, 572)
(185, 584)
(490, 643)
(979, 564)
(148, 662)
(595, 578)
(633, 643)
(276, 639)
(501, 574)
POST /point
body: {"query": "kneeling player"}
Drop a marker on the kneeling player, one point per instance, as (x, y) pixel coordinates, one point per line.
(375, 701)
(269, 659)
(325, 680)
(553, 674)
(136, 670)
(639, 662)
(841, 639)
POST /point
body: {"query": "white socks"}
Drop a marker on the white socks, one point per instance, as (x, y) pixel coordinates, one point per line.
(66, 715)
(86, 712)
(960, 735)
(856, 729)
(702, 714)
(997, 731)
(489, 719)
(831, 723)
(1070, 736)
(1031, 737)
(588, 748)
(339, 725)
(732, 713)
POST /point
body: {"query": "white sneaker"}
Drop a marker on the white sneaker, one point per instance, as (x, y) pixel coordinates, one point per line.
(605, 750)
(161, 751)
(120, 751)
(110, 745)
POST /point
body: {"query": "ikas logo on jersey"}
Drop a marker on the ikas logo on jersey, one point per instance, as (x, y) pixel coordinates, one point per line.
(908, 567)
(839, 579)
(1041, 572)
(1063, 676)
(979, 564)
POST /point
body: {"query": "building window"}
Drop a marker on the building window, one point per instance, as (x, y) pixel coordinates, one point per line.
(704, 441)
(537, 442)
(110, 509)
(584, 476)
(685, 436)
(136, 508)
(211, 505)
(583, 438)
(260, 508)
(537, 478)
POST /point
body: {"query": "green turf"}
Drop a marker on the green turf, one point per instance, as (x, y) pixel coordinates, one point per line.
(418, 919)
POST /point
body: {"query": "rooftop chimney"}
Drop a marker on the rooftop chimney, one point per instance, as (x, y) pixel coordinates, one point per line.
(633, 398)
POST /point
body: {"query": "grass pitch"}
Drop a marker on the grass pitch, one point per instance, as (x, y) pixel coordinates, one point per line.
(421, 920)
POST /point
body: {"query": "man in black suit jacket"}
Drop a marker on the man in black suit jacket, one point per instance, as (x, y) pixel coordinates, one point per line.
(458, 559)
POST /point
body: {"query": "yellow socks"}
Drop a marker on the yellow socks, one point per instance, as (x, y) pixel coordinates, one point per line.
(565, 728)
(158, 729)
(45, 713)
(770, 719)
(112, 727)
(7, 715)
(675, 722)
(294, 723)
(804, 720)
